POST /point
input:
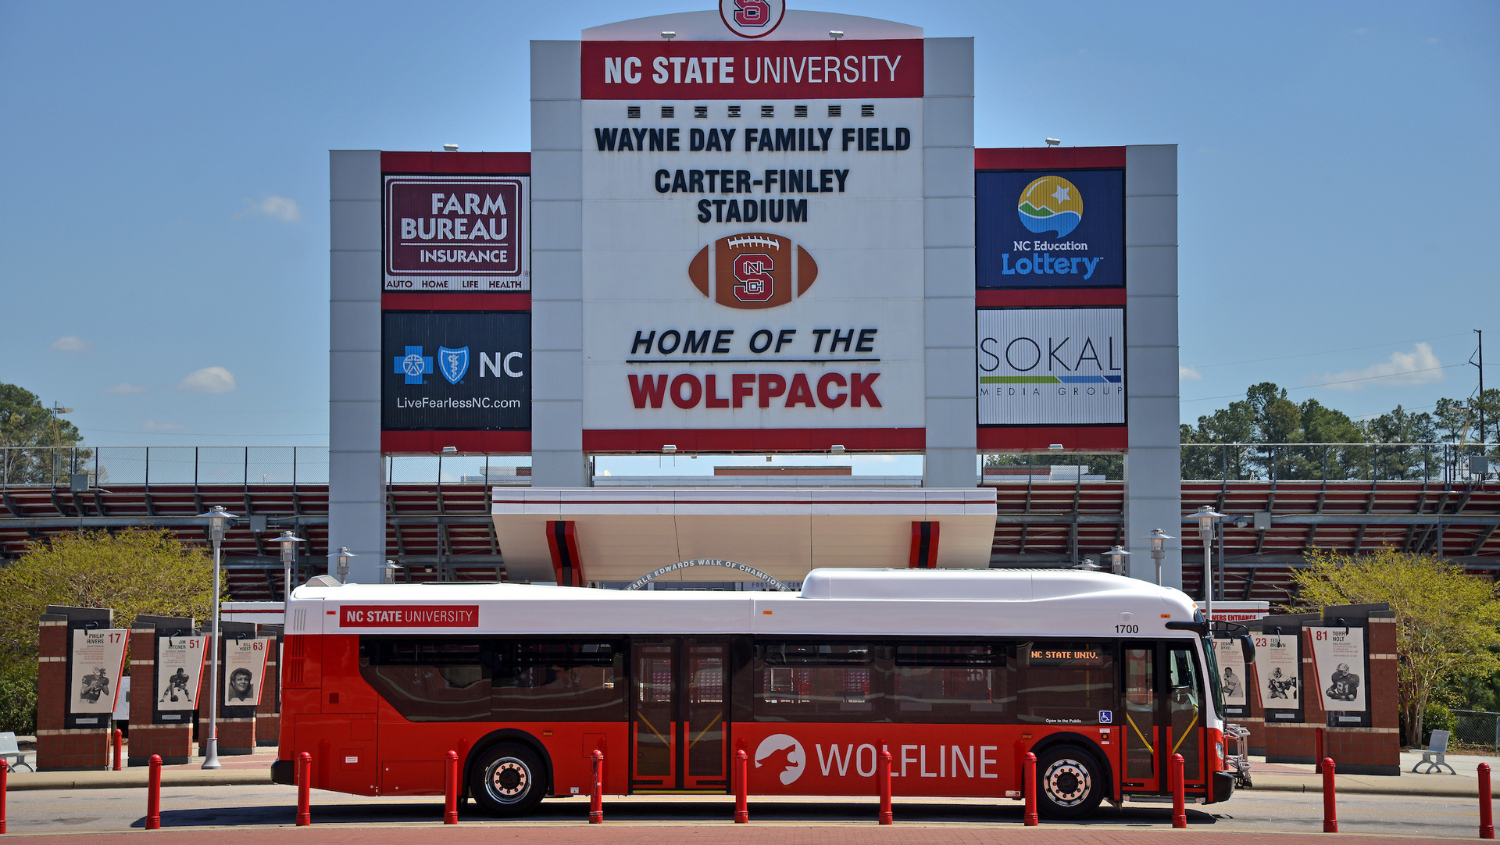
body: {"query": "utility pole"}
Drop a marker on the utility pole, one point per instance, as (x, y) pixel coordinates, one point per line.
(56, 409)
(1480, 365)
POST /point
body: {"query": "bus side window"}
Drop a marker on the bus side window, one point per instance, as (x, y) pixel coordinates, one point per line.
(819, 680)
(559, 681)
(1065, 682)
(429, 679)
(951, 683)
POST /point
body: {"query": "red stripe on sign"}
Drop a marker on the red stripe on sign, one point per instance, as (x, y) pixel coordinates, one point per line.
(400, 301)
(1045, 297)
(409, 616)
(432, 442)
(509, 164)
(1074, 438)
(717, 70)
(756, 440)
(1048, 158)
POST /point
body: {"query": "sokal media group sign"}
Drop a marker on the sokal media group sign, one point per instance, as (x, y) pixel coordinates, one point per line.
(1044, 229)
(457, 233)
(1051, 366)
(456, 371)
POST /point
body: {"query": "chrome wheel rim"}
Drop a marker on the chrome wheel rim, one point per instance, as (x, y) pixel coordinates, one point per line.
(1067, 782)
(508, 780)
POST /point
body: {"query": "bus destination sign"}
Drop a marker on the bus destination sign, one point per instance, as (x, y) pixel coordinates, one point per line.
(1042, 655)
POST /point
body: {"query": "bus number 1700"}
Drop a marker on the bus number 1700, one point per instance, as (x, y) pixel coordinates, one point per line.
(1127, 629)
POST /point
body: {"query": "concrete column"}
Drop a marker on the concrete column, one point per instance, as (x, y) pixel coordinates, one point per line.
(1153, 469)
(356, 492)
(948, 236)
(557, 458)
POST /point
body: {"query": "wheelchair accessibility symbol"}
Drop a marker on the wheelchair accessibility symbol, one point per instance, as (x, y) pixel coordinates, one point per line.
(1106, 717)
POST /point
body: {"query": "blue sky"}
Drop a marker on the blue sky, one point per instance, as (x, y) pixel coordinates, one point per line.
(164, 232)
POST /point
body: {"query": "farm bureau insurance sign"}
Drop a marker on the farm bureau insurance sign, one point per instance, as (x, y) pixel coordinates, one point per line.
(703, 233)
(457, 233)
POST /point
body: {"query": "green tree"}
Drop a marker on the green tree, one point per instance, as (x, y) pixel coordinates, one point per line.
(26, 423)
(134, 572)
(1447, 622)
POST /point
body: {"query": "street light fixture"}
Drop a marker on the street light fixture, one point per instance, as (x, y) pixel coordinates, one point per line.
(218, 520)
(343, 554)
(388, 571)
(1117, 557)
(1158, 540)
(1206, 516)
(288, 542)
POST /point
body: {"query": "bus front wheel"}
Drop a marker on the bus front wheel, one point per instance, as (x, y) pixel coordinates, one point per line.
(1070, 783)
(508, 781)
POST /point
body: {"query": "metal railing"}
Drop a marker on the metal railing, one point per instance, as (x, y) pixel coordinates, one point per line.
(48, 466)
(1439, 462)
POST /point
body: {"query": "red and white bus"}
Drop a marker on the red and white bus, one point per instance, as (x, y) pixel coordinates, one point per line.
(958, 673)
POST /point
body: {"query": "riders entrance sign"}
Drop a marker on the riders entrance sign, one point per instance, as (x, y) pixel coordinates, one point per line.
(96, 659)
(179, 670)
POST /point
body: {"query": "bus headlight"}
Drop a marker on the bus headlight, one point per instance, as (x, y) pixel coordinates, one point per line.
(1219, 747)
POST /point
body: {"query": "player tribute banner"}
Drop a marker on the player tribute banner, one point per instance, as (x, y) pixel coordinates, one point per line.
(96, 660)
(1278, 664)
(1232, 676)
(244, 674)
(1338, 656)
(179, 672)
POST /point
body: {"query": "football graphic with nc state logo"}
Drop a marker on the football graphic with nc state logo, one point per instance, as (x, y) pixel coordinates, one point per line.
(753, 270)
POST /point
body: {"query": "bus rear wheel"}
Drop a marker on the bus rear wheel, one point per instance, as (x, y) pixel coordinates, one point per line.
(1070, 783)
(507, 781)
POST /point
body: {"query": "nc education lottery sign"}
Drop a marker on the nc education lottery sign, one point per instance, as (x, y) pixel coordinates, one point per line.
(752, 235)
(1051, 366)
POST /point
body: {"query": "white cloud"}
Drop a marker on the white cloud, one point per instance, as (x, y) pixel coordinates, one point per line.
(208, 380)
(281, 208)
(1188, 374)
(153, 425)
(1419, 366)
(72, 343)
(127, 387)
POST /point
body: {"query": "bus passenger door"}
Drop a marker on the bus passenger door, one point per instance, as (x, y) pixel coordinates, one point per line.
(653, 726)
(705, 741)
(1141, 734)
(678, 708)
(1184, 711)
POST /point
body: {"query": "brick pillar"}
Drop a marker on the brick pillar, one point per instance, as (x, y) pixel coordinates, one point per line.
(174, 742)
(268, 714)
(59, 748)
(236, 731)
(1256, 720)
(1376, 749)
(1287, 741)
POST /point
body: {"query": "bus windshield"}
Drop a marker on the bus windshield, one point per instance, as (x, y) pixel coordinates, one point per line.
(1212, 662)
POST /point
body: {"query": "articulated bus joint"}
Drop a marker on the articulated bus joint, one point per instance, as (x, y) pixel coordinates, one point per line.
(494, 738)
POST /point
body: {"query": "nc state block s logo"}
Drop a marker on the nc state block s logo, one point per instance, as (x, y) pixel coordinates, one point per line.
(752, 18)
(753, 270)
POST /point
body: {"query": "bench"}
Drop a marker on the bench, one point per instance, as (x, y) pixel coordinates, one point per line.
(10, 752)
(1434, 757)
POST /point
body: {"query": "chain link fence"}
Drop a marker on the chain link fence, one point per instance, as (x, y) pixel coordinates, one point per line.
(1477, 728)
(1439, 462)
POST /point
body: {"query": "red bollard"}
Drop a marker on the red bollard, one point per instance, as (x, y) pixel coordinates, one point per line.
(153, 795)
(1179, 799)
(1486, 813)
(1028, 788)
(4, 779)
(596, 795)
(741, 787)
(1330, 808)
(118, 745)
(304, 789)
(1318, 752)
(883, 774)
(450, 788)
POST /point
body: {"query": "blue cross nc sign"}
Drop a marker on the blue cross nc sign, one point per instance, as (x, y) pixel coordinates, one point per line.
(413, 365)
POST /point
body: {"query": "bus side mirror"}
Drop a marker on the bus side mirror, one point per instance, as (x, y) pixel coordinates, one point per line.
(1247, 646)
